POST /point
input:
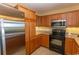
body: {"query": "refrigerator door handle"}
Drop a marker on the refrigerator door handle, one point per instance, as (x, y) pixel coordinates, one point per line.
(3, 38)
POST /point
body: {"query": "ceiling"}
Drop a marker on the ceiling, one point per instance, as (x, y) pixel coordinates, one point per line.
(44, 7)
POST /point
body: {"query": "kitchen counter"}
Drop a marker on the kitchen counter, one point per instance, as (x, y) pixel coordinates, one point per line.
(75, 37)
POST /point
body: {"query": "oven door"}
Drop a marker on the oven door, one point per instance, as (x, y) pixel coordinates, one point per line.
(57, 40)
(57, 45)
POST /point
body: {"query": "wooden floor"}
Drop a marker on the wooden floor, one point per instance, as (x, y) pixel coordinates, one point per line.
(39, 51)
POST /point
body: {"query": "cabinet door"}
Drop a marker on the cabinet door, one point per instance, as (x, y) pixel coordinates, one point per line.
(32, 29)
(77, 18)
(45, 41)
(33, 15)
(45, 21)
(68, 46)
(64, 16)
(27, 14)
(34, 44)
(75, 48)
(38, 21)
(37, 42)
(27, 42)
(78, 50)
(72, 20)
(56, 16)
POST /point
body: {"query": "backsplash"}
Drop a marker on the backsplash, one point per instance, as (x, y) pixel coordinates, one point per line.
(73, 30)
(47, 30)
(43, 30)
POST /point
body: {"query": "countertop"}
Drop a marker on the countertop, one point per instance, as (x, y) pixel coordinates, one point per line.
(75, 37)
(47, 31)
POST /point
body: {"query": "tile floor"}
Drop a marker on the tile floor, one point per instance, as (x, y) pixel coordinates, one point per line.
(39, 51)
(44, 51)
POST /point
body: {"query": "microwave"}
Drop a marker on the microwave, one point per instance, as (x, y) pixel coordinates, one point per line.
(58, 23)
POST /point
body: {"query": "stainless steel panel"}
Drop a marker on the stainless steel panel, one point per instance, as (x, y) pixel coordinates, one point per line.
(0, 39)
(13, 26)
(9, 29)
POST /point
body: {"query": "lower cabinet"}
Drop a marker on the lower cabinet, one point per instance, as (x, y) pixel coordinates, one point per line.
(68, 46)
(71, 47)
(39, 40)
(75, 48)
(34, 44)
(44, 41)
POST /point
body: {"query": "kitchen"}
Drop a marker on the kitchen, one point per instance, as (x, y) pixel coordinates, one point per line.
(43, 29)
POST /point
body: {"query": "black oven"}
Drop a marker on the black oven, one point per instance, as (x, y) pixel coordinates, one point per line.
(57, 37)
(57, 40)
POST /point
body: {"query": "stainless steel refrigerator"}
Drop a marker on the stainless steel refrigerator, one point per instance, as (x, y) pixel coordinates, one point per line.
(9, 28)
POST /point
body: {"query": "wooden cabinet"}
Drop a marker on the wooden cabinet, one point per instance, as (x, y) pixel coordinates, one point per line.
(27, 34)
(30, 24)
(63, 16)
(44, 41)
(43, 21)
(32, 29)
(30, 35)
(39, 40)
(68, 46)
(29, 14)
(46, 20)
(73, 19)
(71, 47)
(56, 16)
(33, 15)
(75, 48)
(34, 44)
(38, 21)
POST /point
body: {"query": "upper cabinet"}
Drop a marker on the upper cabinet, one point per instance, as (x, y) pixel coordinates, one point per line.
(56, 17)
(43, 21)
(60, 16)
(29, 14)
(38, 20)
(73, 19)
(63, 16)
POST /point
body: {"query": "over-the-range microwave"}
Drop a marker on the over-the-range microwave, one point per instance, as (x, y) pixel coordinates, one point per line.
(58, 23)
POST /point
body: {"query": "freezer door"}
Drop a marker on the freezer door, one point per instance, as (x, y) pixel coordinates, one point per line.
(0, 44)
(0, 40)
